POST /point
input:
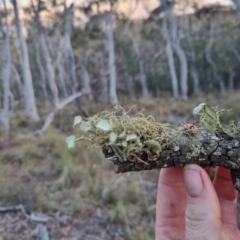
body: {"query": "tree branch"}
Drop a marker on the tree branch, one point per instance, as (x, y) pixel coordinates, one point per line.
(51, 115)
(210, 151)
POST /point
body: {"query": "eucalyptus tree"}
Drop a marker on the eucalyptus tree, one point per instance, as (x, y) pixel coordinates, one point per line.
(106, 20)
(29, 95)
(41, 47)
(6, 72)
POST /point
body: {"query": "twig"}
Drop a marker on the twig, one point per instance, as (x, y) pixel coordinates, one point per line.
(33, 217)
(51, 115)
(42, 232)
(139, 159)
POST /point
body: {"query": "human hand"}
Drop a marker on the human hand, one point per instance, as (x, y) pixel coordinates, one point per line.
(191, 207)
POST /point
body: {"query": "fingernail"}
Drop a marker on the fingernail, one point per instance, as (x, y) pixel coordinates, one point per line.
(193, 181)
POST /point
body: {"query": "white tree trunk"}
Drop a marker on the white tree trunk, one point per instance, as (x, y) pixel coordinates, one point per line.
(175, 41)
(43, 83)
(196, 85)
(71, 67)
(212, 63)
(231, 81)
(49, 70)
(17, 79)
(172, 69)
(174, 79)
(140, 62)
(108, 31)
(50, 74)
(192, 56)
(6, 75)
(183, 70)
(68, 48)
(29, 96)
(86, 82)
(61, 76)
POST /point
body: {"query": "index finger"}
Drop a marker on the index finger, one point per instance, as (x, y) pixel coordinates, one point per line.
(171, 204)
(227, 195)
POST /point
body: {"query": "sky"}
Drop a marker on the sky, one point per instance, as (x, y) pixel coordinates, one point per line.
(128, 7)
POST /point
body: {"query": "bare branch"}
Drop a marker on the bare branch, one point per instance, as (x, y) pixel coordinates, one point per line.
(51, 115)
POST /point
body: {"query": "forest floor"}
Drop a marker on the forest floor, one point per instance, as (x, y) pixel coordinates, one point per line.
(78, 190)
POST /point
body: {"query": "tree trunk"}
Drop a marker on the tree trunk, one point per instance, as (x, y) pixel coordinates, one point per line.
(29, 96)
(108, 31)
(231, 81)
(17, 79)
(69, 55)
(43, 83)
(192, 56)
(68, 47)
(103, 98)
(6, 74)
(175, 41)
(140, 62)
(49, 69)
(86, 82)
(174, 79)
(50, 74)
(213, 65)
(61, 75)
(194, 75)
(183, 70)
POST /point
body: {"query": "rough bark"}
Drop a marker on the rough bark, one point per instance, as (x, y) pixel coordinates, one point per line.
(215, 152)
(29, 96)
(6, 75)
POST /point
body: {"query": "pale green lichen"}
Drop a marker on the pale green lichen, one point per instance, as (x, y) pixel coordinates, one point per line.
(196, 150)
(131, 137)
(210, 118)
(127, 136)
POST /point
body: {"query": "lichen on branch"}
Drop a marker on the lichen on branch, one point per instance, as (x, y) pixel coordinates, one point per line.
(141, 140)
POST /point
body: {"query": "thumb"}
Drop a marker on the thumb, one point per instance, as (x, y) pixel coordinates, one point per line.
(202, 214)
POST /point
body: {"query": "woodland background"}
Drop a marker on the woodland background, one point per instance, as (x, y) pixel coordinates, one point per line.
(60, 59)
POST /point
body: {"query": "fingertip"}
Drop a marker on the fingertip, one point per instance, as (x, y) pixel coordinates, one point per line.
(197, 179)
(193, 180)
(202, 207)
